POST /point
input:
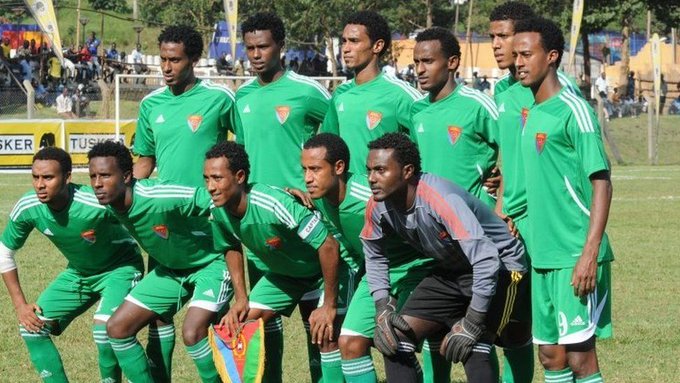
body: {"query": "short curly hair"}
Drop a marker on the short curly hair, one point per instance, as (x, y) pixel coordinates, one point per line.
(376, 26)
(265, 21)
(187, 35)
(113, 149)
(447, 40)
(336, 148)
(512, 11)
(55, 154)
(235, 153)
(551, 35)
(405, 150)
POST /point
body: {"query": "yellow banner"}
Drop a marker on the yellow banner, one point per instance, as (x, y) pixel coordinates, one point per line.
(576, 17)
(43, 12)
(21, 139)
(82, 135)
(656, 68)
(231, 11)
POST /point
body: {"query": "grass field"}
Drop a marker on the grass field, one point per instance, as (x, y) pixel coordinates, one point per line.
(645, 210)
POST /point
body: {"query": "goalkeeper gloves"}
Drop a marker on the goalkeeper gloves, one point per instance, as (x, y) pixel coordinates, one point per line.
(385, 338)
(458, 343)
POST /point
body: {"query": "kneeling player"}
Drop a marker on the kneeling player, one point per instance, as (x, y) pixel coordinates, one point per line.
(300, 254)
(103, 264)
(478, 279)
(171, 223)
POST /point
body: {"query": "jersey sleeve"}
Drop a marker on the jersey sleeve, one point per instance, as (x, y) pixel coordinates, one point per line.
(584, 134)
(330, 122)
(486, 124)
(377, 263)
(16, 232)
(318, 103)
(144, 144)
(199, 205)
(223, 238)
(308, 225)
(227, 117)
(404, 109)
(462, 225)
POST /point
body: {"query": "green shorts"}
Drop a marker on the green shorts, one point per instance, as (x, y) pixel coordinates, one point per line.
(164, 291)
(560, 317)
(347, 285)
(360, 318)
(522, 224)
(72, 293)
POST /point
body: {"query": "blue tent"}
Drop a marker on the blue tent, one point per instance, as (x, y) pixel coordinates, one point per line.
(220, 43)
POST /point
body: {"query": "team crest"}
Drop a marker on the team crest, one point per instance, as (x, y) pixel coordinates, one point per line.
(540, 141)
(274, 243)
(282, 113)
(161, 231)
(454, 134)
(523, 117)
(89, 236)
(194, 121)
(373, 119)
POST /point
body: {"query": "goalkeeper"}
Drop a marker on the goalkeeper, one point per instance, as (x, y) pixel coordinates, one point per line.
(477, 285)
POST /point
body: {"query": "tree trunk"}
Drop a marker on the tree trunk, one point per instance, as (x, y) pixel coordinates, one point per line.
(428, 5)
(625, 52)
(586, 56)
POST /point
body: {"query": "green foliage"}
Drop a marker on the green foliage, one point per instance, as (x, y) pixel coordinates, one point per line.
(202, 14)
(109, 5)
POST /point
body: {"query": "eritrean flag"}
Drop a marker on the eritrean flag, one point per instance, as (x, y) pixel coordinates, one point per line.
(239, 358)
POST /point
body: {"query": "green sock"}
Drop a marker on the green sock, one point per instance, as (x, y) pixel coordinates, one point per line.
(518, 364)
(44, 354)
(108, 364)
(561, 376)
(159, 349)
(331, 366)
(594, 378)
(132, 359)
(359, 370)
(313, 357)
(436, 368)
(201, 354)
(493, 359)
(273, 351)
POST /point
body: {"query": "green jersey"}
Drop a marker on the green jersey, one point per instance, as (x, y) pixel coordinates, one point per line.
(85, 232)
(513, 106)
(361, 113)
(561, 147)
(281, 233)
(504, 82)
(273, 121)
(178, 130)
(457, 138)
(170, 222)
(349, 218)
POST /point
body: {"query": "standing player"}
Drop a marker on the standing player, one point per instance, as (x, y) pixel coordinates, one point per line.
(103, 264)
(177, 124)
(454, 126)
(171, 223)
(478, 279)
(276, 113)
(373, 103)
(342, 196)
(299, 253)
(568, 194)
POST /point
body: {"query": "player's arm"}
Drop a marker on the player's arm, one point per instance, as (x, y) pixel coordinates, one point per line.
(318, 102)
(584, 277)
(321, 320)
(144, 145)
(499, 208)
(330, 122)
(25, 311)
(486, 126)
(144, 167)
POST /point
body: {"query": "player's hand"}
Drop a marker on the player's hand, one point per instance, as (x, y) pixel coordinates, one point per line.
(236, 315)
(458, 343)
(387, 319)
(321, 323)
(584, 277)
(28, 318)
(511, 225)
(302, 197)
(493, 182)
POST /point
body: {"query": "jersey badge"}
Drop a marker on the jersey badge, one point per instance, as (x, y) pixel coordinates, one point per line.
(194, 121)
(89, 236)
(274, 243)
(282, 113)
(523, 118)
(540, 141)
(161, 231)
(160, 119)
(373, 119)
(454, 134)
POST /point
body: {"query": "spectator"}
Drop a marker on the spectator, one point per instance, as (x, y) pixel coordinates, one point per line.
(675, 105)
(630, 88)
(662, 98)
(484, 85)
(222, 65)
(80, 101)
(24, 51)
(476, 81)
(84, 65)
(389, 68)
(92, 44)
(112, 54)
(40, 92)
(33, 48)
(54, 71)
(65, 105)
(6, 47)
(602, 86)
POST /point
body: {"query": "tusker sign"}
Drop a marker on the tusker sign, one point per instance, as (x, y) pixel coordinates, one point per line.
(21, 139)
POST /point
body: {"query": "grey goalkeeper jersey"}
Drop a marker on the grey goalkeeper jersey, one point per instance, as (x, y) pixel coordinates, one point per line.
(448, 224)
